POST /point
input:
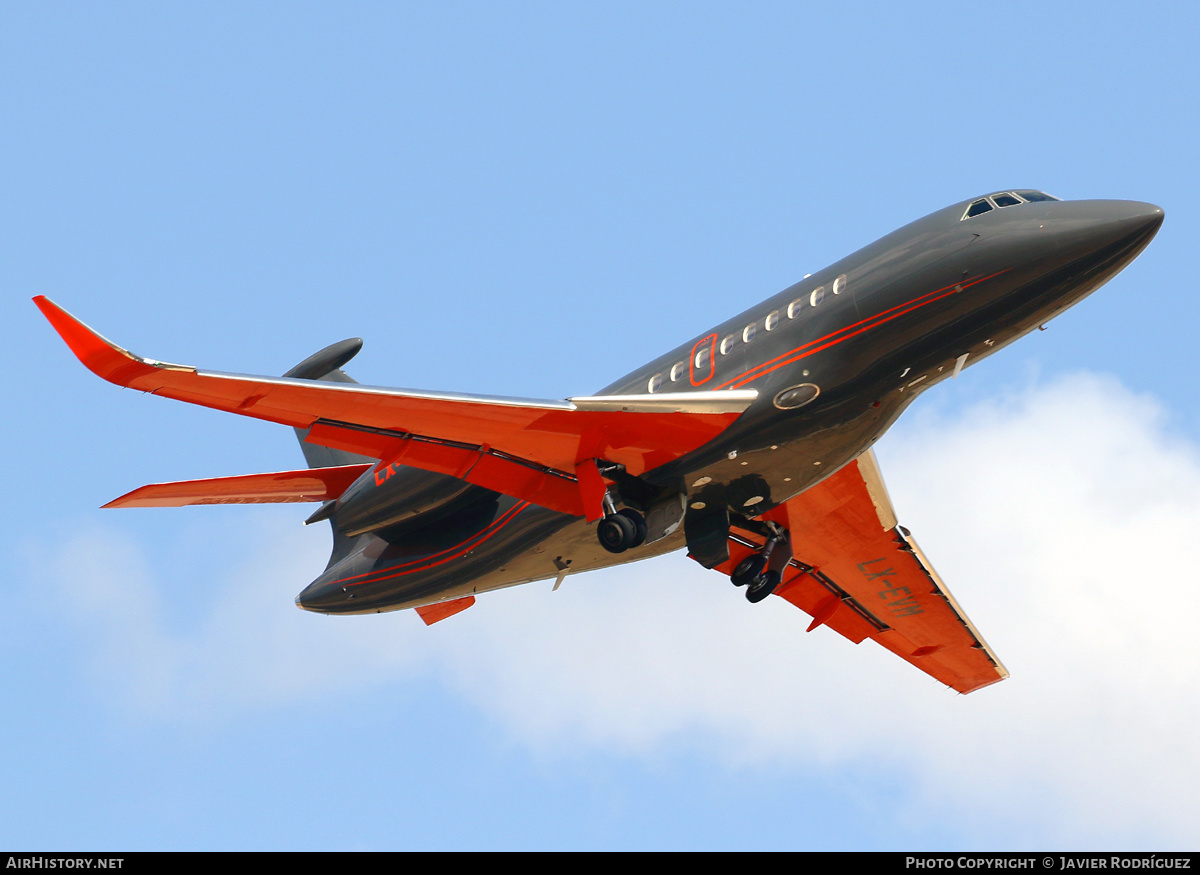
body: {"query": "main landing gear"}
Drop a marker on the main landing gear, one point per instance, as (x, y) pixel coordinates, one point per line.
(757, 572)
(620, 530)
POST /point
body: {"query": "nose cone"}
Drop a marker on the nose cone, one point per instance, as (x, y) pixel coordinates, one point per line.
(1131, 219)
(1083, 235)
(1119, 223)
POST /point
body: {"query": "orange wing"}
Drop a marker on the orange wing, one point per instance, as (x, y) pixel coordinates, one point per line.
(540, 451)
(862, 575)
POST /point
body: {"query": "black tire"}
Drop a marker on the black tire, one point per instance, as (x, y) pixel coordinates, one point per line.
(763, 587)
(616, 533)
(748, 570)
(639, 525)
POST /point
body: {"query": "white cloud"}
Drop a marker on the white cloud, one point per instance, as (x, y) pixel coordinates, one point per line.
(247, 648)
(1063, 519)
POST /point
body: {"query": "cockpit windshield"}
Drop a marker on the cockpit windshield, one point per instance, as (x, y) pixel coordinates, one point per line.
(1003, 199)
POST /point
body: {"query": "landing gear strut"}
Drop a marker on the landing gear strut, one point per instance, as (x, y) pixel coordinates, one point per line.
(622, 529)
(758, 573)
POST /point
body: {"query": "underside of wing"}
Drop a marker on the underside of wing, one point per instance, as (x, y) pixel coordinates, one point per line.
(857, 572)
(531, 449)
(310, 484)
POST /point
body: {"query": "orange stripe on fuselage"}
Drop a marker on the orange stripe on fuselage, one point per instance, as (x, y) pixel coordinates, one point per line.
(462, 547)
(836, 337)
(794, 355)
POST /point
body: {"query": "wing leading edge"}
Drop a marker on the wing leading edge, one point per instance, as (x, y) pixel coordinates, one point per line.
(541, 451)
(859, 573)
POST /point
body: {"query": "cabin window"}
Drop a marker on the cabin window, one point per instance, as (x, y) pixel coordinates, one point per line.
(839, 285)
(795, 307)
(978, 208)
(677, 371)
(702, 359)
(817, 296)
(727, 344)
(772, 320)
(655, 383)
(749, 331)
(1006, 200)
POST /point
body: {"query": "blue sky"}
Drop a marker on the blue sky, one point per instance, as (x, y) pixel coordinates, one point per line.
(531, 199)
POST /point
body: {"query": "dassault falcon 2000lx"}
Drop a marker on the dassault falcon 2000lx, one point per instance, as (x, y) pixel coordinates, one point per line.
(749, 444)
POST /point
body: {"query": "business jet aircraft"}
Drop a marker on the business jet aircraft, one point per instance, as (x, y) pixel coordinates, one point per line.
(749, 444)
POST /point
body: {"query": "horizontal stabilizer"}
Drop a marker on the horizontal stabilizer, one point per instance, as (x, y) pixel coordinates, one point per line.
(311, 484)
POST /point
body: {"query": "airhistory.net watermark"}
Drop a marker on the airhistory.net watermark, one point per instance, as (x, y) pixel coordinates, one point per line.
(37, 861)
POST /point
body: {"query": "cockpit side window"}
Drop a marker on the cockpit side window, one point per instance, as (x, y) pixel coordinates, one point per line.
(1037, 196)
(978, 208)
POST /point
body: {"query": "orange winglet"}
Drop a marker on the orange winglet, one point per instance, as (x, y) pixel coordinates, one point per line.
(99, 355)
(311, 484)
(437, 612)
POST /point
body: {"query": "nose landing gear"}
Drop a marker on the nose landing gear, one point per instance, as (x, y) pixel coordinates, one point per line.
(762, 572)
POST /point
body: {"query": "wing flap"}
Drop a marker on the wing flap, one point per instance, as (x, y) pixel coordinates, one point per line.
(808, 590)
(640, 432)
(311, 484)
(475, 463)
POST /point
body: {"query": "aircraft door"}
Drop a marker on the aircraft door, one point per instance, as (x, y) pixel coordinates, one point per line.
(704, 360)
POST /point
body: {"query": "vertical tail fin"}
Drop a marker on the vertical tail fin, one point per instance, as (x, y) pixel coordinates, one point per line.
(327, 365)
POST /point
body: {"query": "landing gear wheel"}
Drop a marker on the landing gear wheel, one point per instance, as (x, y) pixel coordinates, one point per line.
(639, 524)
(748, 570)
(763, 587)
(616, 532)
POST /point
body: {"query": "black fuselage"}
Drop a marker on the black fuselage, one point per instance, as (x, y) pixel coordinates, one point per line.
(835, 359)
